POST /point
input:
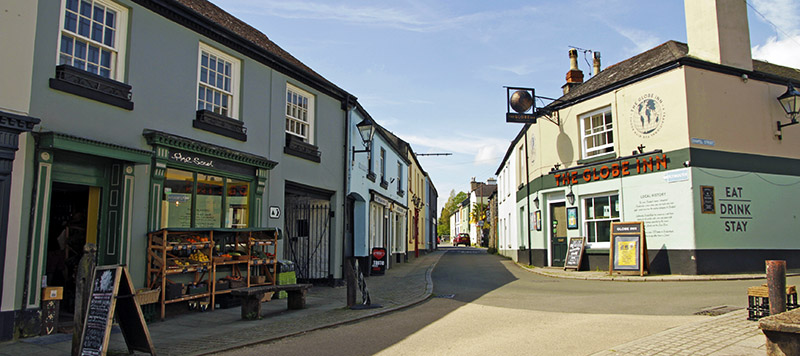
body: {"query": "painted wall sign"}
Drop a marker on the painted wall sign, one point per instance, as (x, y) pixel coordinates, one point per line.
(647, 115)
(734, 210)
(639, 165)
(274, 212)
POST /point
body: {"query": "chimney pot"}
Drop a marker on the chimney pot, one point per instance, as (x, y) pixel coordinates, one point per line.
(575, 75)
(596, 67)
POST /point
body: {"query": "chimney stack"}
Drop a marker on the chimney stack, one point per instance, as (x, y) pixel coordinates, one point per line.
(575, 75)
(596, 64)
(717, 32)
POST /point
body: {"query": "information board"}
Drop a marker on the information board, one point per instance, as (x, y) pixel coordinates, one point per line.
(379, 258)
(575, 249)
(628, 252)
(112, 292)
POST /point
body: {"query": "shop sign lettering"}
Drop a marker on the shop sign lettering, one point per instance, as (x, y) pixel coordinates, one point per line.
(735, 210)
(197, 161)
(614, 170)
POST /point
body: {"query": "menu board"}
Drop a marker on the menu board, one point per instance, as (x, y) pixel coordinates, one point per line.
(628, 251)
(707, 199)
(112, 285)
(575, 249)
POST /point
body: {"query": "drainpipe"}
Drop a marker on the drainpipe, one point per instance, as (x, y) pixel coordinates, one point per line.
(528, 197)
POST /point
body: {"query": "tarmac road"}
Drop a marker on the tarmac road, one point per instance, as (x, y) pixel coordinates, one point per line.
(487, 305)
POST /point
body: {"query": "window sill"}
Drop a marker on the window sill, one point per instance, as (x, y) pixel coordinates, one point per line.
(79, 82)
(598, 158)
(219, 124)
(296, 147)
(401, 193)
(384, 184)
(371, 176)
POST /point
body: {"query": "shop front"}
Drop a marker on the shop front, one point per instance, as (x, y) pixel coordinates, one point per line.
(83, 194)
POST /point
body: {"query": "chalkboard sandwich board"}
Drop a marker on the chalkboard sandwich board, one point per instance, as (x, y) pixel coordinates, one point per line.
(628, 252)
(575, 249)
(112, 294)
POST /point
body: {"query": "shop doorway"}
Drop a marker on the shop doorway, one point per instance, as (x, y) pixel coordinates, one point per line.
(74, 216)
(558, 234)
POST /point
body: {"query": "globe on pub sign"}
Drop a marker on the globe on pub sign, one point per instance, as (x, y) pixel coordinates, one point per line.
(521, 101)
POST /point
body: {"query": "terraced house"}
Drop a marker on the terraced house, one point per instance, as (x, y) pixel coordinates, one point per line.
(157, 114)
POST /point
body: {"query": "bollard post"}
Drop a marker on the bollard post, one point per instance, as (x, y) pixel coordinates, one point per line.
(350, 281)
(776, 284)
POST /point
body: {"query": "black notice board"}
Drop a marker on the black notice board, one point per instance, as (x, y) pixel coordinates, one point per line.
(112, 294)
(628, 252)
(707, 199)
(575, 249)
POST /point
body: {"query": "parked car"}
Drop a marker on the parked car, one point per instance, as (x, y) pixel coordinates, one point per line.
(461, 239)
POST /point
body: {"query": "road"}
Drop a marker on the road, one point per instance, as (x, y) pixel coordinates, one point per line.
(485, 304)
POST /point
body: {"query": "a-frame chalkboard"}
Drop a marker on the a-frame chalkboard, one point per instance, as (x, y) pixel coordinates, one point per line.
(112, 292)
(574, 256)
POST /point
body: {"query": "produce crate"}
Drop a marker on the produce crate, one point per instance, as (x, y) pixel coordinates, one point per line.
(237, 283)
(258, 279)
(222, 284)
(174, 291)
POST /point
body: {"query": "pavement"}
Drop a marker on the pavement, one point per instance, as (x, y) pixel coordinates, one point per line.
(403, 286)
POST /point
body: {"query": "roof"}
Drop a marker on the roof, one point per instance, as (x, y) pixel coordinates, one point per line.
(485, 191)
(211, 21)
(664, 57)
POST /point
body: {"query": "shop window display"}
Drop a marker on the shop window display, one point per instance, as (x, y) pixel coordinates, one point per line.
(196, 200)
(600, 212)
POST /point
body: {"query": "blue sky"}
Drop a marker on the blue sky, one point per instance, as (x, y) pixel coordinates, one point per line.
(433, 71)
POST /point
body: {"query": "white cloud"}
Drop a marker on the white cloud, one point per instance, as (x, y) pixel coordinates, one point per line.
(409, 18)
(484, 150)
(642, 40)
(779, 51)
(783, 48)
(520, 69)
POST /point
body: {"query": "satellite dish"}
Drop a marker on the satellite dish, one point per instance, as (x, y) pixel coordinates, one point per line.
(521, 101)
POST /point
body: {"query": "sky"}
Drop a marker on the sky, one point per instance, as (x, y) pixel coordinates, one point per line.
(433, 72)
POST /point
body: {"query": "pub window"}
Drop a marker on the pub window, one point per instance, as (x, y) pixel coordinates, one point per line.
(196, 200)
(600, 212)
(597, 135)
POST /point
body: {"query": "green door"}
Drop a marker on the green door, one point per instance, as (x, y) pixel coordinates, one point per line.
(558, 234)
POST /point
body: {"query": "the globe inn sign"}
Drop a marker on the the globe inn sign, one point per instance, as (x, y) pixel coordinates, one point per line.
(622, 168)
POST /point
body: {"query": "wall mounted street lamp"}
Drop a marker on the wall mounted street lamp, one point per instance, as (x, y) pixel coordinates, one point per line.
(536, 201)
(367, 130)
(790, 102)
(571, 196)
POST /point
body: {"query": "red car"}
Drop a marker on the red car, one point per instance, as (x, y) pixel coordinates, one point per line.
(461, 239)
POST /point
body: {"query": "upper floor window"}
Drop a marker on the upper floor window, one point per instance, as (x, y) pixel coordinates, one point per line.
(217, 82)
(597, 136)
(399, 177)
(299, 113)
(93, 37)
(383, 164)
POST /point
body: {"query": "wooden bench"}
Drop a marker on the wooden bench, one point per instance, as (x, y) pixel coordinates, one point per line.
(252, 296)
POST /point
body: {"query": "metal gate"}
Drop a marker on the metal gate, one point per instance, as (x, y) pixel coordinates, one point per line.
(308, 237)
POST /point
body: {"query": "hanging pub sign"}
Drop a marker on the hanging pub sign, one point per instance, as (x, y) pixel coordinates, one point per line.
(112, 294)
(628, 252)
(523, 106)
(378, 261)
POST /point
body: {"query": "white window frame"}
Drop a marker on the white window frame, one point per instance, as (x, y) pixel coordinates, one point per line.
(233, 92)
(117, 49)
(600, 132)
(591, 241)
(299, 120)
(399, 176)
